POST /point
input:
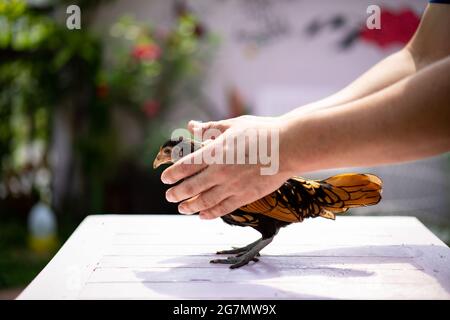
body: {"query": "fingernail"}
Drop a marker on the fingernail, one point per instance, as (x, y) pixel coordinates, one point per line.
(182, 209)
(170, 197)
(165, 180)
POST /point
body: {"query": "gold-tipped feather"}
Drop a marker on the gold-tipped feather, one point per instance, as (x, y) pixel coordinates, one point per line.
(298, 198)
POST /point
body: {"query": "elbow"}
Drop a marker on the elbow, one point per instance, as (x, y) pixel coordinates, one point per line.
(430, 42)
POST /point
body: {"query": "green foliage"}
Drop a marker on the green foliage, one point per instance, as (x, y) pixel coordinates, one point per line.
(152, 69)
(149, 63)
(44, 66)
(41, 62)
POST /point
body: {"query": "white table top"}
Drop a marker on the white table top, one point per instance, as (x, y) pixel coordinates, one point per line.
(167, 257)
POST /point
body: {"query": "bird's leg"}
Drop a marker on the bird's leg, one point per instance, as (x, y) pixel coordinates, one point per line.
(245, 258)
(239, 250)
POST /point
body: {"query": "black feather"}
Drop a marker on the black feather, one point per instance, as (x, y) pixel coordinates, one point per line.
(190, 144)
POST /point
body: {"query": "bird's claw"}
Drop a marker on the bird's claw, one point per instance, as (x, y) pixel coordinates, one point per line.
(232, 251)
(244, 255)
(236, 262)
(243, 262)
(240, 250)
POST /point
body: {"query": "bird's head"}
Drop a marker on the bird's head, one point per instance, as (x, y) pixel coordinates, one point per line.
(174, 149)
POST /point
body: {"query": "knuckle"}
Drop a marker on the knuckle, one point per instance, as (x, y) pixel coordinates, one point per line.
(215, 211)
(222, 126)
(223, 207)
(205, 201)
(188, 188)
(208, 125)
(210, 198)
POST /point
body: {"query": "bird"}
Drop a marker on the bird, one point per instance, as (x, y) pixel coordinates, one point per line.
(296, 200)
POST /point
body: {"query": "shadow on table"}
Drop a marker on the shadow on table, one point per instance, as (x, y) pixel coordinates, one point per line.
(238, 283)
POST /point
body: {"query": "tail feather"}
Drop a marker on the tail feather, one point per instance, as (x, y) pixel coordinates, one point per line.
(350, 190)
(354, 180)
(298, 198)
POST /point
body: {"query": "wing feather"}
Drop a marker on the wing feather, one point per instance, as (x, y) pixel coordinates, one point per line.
(298, 198)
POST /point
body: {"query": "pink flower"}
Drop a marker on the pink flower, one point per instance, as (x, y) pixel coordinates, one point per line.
(146, 52)
(151, 108)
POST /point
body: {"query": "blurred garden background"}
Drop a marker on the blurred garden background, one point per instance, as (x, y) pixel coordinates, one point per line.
(83, 112)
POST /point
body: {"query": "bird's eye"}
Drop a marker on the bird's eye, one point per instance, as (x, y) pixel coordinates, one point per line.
(166, 151)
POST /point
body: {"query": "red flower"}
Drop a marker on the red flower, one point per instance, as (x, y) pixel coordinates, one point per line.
(396, 28)
(151, 108)
(102, 90)
(146, 52)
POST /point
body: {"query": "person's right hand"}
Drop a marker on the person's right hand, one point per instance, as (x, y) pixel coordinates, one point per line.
(218, 189)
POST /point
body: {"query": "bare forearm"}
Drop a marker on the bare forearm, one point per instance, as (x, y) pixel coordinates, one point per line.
(390, 70)
(429, 44)
(408, 120)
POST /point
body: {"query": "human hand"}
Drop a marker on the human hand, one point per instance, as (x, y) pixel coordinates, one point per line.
(216, 189)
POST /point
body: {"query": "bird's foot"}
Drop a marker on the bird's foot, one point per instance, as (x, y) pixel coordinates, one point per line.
(244, 257)
(237, 261)
(237, 250)
(232, 251)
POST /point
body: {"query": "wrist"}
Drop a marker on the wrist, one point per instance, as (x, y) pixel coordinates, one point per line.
(299, 147)
(286, 148)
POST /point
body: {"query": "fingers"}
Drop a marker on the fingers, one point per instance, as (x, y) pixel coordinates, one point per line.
(203, 126)
(182, 169)
(190, 164)
(226, 206)
(204, 201)
(191, 187)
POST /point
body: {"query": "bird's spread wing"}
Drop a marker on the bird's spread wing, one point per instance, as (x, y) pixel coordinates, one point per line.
(298, 198)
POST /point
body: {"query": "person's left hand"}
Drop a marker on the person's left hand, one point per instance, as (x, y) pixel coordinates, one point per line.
(218, 189)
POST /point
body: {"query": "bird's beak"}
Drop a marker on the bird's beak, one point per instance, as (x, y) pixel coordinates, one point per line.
(159, 160)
